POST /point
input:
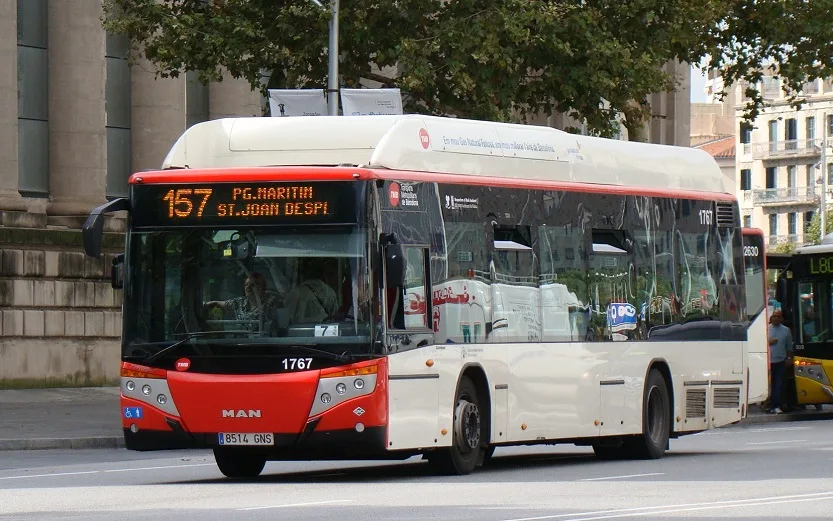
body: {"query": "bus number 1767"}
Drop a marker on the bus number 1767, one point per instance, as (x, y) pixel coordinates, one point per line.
(297, 364)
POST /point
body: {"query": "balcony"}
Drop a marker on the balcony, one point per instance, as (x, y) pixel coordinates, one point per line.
(780, 240)
(793, 149)
(785, 196)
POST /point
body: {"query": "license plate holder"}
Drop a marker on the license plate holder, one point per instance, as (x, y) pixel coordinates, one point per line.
(245, 438)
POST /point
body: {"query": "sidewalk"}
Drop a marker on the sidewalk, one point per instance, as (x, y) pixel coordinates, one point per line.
(83, 418)
(72, 418)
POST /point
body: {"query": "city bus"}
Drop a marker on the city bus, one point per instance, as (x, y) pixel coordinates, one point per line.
(805, 291)
(385, 287)
(754, 259)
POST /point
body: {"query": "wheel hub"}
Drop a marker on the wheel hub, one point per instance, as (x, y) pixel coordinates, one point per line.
(467, 426)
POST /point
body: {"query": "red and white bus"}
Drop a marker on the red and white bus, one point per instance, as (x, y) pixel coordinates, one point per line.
(389, 286)
(754, 261)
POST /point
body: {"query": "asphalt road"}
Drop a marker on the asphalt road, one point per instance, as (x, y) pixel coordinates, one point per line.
(776, 471)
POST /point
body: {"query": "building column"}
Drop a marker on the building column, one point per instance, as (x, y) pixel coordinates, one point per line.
(10, 198)
(671, 111)
(157, 116)
(232, 98)
(77, 118)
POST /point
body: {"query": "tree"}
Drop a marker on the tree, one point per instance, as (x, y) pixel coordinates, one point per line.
(812, 235)
(789, 40)
(785, 247)
(598, 60)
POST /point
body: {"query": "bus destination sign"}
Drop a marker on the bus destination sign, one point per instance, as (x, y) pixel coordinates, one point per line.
(243, 203)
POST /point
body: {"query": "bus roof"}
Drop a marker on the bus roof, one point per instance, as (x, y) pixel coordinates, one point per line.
(444, 145)
(826, 246)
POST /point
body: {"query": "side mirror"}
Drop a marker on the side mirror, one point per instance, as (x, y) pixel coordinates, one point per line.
(117, 272)
(781, 289)
(93, 229)
(394, 261)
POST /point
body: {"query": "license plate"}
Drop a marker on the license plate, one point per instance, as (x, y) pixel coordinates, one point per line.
(246, 438)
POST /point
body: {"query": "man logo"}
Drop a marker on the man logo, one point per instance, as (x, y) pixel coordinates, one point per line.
(231, 413)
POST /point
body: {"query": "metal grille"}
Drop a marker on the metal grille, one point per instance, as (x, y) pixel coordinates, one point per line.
(695, 403)
(725, 215)
(727, 397)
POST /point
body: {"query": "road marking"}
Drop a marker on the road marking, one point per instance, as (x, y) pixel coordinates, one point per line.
(684, 507)
(293, 505)
(163, 467)
(105, 471)
(773, 442)
(721, 432)
(50, 475)
(779, 429)
(626, 476)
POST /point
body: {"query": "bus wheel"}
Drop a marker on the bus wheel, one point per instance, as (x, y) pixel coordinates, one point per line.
(467, 436)
(656, 420)
(236, 465)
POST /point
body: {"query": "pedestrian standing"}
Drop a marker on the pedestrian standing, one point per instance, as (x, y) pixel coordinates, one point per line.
(780, 355)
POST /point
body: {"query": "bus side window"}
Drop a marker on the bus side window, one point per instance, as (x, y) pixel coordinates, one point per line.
(409, 304)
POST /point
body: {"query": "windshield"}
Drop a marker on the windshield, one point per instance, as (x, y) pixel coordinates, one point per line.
(814, 312)
(753, 260)
(244, 287)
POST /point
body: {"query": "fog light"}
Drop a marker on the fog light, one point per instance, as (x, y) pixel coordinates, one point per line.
(133, 428)
(341, 388)
(146, 390)
(359, 383)
(326, 398)
(359, 427)
(161, 399)
(130, 385)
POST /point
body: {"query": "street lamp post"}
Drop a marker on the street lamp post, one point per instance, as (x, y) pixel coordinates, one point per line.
(332, 55)
(823, 166)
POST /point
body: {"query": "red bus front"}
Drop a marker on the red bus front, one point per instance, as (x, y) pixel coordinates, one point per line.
(248, 325)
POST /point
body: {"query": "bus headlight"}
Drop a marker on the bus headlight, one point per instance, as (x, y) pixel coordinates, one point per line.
(812, 371)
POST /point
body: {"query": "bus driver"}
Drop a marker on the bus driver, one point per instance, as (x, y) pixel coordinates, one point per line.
(254, 302)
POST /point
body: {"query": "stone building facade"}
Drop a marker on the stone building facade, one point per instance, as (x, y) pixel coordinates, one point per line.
(75, 121)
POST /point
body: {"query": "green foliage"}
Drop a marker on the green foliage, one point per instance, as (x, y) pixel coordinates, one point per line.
(789, 39)
(787, 247)
(487, 59)
(813, 233)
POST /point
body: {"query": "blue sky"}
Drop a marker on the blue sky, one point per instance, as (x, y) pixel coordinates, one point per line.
(698, 83)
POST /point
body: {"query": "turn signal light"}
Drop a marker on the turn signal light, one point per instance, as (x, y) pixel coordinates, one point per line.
(358, 371)
(141, 371)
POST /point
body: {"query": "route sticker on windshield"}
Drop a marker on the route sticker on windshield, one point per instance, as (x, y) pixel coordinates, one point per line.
(326, 330)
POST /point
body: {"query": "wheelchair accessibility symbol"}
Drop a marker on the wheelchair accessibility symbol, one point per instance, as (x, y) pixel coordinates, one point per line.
(133, 413)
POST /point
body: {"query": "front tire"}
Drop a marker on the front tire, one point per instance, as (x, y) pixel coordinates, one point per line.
(239, 465)
(467, 443)
(656, 420)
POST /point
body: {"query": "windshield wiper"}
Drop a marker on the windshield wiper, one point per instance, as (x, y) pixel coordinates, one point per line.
(152, 358)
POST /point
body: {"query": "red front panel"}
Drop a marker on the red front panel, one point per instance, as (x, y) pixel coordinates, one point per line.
(282, 401)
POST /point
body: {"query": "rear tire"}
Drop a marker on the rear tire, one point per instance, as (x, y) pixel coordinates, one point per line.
(239, 465)
(656, 420)
(468, 434)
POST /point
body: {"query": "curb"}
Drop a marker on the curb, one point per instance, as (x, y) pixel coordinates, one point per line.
(99, 442)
